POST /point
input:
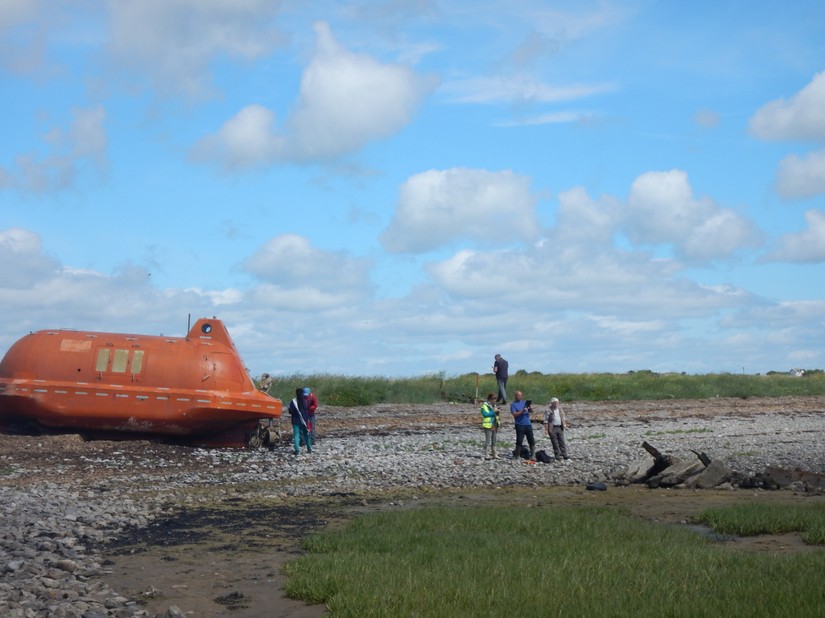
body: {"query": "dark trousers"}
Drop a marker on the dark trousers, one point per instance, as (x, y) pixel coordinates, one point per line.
(558, 441)
(502, 391)
(521, 432)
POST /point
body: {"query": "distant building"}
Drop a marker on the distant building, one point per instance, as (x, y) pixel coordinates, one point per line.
(797, 373)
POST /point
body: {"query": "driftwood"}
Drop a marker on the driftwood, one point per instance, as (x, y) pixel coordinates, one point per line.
(703, 457)
(667, 471)
(661, 462)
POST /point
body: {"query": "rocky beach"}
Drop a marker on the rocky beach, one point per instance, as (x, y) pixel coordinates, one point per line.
(80, 518)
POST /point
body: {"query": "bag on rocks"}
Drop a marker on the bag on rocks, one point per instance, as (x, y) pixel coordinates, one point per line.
(543, 457)
(525, 452)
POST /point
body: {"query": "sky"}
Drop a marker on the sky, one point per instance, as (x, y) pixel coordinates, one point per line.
(410, 187)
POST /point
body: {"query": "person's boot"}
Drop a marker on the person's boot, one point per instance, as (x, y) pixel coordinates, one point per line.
(495, 454)
(532, 453)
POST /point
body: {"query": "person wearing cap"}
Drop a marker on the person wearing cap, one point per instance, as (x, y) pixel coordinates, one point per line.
(299, 414)
(554, 424)
(312, 405)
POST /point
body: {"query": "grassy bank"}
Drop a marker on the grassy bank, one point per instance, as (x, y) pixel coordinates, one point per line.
(555, 561)
(635, 385)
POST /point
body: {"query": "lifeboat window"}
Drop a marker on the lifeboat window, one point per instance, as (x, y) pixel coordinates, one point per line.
(206, 328)
(137, 361)
(120, 360)
(102, 359)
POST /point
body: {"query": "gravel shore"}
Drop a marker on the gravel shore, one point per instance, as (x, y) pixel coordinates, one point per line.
(62, 498)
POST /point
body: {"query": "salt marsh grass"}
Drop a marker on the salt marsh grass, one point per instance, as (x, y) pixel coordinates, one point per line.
(498, 561)
(755, 519)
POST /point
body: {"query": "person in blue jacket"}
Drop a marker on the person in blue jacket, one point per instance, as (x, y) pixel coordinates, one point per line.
(524, 426)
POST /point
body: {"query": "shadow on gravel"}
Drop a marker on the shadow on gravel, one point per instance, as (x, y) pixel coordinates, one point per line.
(233, 525)
(221, 557)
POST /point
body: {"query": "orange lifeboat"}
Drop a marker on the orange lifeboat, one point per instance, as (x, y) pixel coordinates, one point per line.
(191, 390)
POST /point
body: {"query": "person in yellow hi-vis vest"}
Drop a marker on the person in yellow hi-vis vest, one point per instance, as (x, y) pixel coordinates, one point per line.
(490, 423)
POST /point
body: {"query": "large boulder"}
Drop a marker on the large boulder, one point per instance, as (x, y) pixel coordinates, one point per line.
(714, 475)
(676, 474)
(783, 478)
(640, 470)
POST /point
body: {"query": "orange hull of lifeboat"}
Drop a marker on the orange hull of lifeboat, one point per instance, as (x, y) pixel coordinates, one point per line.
(190, 390)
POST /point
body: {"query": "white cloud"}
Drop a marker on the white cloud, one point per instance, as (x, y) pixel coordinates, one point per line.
(68, 150)
(290, 262)
(577, 267)
(40, 292)
(24, 262)
(707, 118)
(805, 246)
(87, 134)
(438, 208)
(21, 51)
(247, 140)
(13, 12)
(347, 100)
(800, 118)
(172, 42)
(585, 221)
(551, 118)
(801, 177)
(661, 209)
(522, 88)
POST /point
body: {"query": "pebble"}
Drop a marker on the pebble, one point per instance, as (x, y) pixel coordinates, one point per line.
(50, 565)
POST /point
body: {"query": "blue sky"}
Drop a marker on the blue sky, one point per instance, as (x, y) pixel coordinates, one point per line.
(409, 187)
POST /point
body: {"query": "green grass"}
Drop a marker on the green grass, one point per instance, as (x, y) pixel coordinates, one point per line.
(340, 390)
(755, 519)
(500, 561)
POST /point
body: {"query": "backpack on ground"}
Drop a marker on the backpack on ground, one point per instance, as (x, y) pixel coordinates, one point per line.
(525, 452)
(543, 457)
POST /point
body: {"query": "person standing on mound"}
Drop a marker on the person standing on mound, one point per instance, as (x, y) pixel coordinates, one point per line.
(501, 368)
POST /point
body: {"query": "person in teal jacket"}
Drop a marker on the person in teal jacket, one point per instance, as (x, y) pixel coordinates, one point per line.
(299, 413)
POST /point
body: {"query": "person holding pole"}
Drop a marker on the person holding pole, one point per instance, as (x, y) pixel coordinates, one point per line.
(299, 411)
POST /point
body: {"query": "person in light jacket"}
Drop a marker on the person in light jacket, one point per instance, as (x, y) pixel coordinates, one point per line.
(554, 424)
